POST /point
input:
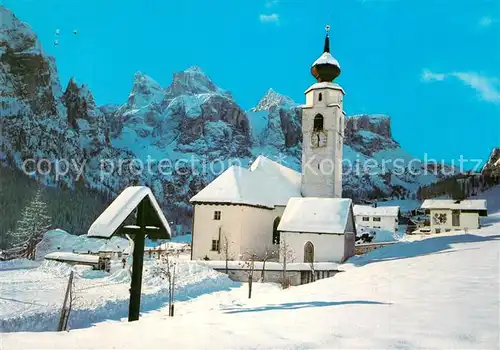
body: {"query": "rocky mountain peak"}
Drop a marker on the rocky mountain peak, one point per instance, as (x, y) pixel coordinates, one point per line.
(193, 81)
(191, 118)
(15, 34)
(376, 123)
(194, 70)
(73, 91)
(368, 134)
(26, 73)
(79, 103)
(273, 99)
(144, 91)
(492, 166)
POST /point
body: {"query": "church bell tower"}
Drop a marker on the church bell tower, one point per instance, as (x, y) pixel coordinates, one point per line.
(323, 129)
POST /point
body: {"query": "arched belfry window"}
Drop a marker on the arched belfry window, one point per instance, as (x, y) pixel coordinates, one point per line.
(318, 123)
(276, 233)
(320, 96)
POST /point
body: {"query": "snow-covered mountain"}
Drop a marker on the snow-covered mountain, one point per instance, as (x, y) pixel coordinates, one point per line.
(492, 166)
(196, 128)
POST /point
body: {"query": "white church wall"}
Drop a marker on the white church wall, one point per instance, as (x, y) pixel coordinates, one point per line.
(327, 247)
(248, 229)
(206, 229)
(257, 230)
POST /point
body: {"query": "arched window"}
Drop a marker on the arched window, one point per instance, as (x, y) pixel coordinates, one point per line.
(308, 252)
(318, 123)
(276, 233)
(320, 96)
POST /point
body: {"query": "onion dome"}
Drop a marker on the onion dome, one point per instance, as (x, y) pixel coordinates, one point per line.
(326, 68)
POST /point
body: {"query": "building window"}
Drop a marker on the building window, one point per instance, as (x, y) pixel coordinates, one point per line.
(376, 226)
(217, 215)
(320, 96)
(366, 218)
(455, 218)
(215, 245)
(318, 122)
(447, 230)
(308, 252)
(276, 233)
(438, 230)
(376, 218)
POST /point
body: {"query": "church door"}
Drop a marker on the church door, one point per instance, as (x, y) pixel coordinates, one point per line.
(308, 252)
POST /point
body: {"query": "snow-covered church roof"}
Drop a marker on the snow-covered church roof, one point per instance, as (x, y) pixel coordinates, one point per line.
(378, 211)
(265, 184)
(316, 215)
(114, 216)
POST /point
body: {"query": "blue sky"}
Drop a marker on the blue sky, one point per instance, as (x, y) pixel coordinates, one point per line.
(432, 65)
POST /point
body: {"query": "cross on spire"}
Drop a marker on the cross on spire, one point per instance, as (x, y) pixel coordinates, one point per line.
(327, 39)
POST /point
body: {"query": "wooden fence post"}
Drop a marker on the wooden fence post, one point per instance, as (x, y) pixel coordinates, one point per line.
(63, 320)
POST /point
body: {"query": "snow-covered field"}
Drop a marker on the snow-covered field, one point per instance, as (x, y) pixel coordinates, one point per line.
(31, 299)
(438, 292)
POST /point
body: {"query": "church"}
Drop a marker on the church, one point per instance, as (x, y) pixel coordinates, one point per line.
(269, 207)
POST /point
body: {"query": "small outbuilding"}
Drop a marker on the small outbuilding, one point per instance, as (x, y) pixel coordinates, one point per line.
(316, 229)
(452, 215)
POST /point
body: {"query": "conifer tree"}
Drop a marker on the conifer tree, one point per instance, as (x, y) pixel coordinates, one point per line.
(33, 222)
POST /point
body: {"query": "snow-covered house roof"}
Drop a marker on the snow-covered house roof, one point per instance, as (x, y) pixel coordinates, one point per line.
(72, 257)
(265, 184)
(317, 215)
(114, 216)
(468, 204)
(367, 210)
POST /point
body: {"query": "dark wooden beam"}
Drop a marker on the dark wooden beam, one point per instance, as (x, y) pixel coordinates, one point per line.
(137, 264)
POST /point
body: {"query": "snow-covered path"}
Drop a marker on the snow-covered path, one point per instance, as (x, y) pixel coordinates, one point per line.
(441, 292)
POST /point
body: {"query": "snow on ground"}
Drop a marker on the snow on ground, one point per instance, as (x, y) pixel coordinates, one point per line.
(439, 292)
(61, 241)
(18, 264)
(182, 239)
(380, 235)
(64, 256)
(30, 299)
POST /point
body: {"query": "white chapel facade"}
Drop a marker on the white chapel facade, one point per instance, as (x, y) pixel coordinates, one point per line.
(268, 205)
